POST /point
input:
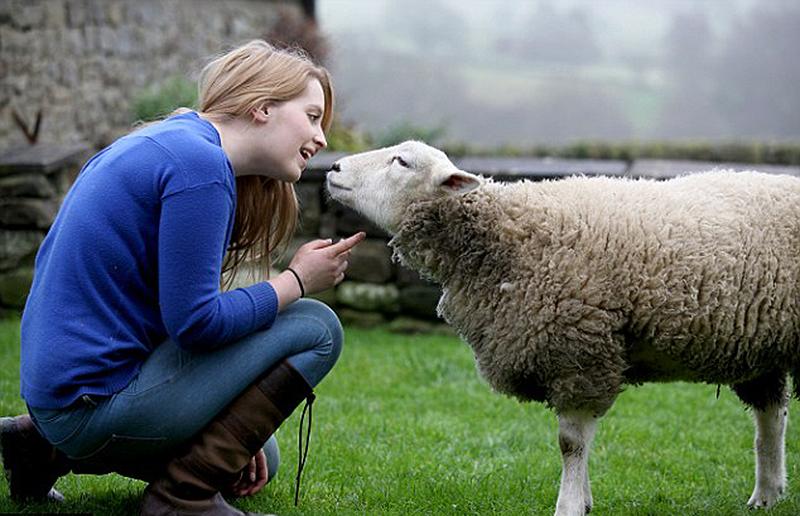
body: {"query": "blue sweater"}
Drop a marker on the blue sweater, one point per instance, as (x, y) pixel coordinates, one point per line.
(133, 259)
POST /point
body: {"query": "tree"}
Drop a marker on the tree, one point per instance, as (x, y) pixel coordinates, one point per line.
(554, 36)
(690, 110)
(759, 73)
(429, 26)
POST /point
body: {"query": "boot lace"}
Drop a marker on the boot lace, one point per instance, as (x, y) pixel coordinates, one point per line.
(301, 453)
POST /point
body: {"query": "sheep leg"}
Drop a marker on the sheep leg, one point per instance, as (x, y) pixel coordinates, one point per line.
(769, 446)
(768, 397)
(575, 433)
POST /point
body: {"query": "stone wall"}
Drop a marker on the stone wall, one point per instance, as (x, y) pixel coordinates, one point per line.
(378, 290)
(81, 62)
(34, 179)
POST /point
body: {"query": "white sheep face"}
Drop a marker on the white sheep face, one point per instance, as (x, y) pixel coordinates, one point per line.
(383, 183)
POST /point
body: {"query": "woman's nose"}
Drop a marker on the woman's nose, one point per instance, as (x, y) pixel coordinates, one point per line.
(320, 140)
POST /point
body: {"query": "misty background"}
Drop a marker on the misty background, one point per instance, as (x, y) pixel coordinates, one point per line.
(517, 72)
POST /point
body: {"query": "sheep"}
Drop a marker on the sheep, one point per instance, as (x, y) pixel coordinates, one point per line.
(568, 290)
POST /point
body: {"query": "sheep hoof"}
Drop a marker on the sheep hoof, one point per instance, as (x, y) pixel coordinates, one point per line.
(576, 510)
(764, 498)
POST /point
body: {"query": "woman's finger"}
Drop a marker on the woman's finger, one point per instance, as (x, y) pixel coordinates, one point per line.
(251, 473)
(261, 472)
(240, 486)
(318, 244)
(260, 478)
(346, 244)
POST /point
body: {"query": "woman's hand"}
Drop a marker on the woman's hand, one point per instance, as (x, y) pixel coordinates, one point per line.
(253, 477)
(321, 264)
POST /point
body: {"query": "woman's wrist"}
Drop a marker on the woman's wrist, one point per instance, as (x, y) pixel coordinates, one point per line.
(299, 281)
(286, 288)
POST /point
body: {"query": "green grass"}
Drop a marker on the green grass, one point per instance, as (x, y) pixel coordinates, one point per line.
(404, 425)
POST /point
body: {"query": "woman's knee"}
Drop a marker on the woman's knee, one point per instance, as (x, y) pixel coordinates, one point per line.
(273, 455)
(330, 334)
(326, 346)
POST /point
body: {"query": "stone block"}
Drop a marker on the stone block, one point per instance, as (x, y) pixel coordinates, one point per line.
(14, 287)
(115, 13)
(310, 209)
(41, 158)
(51, 46)
(327, 225)
(55, 15)
(96, 10)
(411, 326)
(29, 15)
(349, 222)
(17, 85)
(73, 43)
(27, 213)
(18, 246)
(516, 168)
(368, 297)
(5, 11)
(667, 169)
(63, 179)
(125, 41)
(406, 276)
(77, 11)
(281, 262)
(358, 319)
(26, 185)
(420, 300)
(107, 40)
(323, 162)
(371, 262)
(326, 296)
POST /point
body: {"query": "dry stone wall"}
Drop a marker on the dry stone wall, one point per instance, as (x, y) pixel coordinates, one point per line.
(33, 182)
(377, 290)
(81, 62)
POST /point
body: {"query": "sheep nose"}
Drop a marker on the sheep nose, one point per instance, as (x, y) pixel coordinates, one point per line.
(335, 167)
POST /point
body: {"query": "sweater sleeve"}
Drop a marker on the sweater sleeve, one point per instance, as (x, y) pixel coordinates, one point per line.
(192, 238)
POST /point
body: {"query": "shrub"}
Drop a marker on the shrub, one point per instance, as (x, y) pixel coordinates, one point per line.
(161, 99)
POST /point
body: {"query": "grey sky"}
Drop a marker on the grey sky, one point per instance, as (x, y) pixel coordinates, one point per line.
(546, 71)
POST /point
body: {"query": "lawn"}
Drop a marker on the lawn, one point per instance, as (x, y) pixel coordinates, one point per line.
(404, 425)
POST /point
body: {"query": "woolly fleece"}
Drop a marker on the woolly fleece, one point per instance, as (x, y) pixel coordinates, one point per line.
(567, 290)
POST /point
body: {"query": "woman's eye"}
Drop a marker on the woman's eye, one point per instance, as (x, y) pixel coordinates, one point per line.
(400, 161)
(313, 117)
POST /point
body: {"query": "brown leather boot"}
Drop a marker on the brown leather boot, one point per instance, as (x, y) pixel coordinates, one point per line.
(215, 457)
(32, 465)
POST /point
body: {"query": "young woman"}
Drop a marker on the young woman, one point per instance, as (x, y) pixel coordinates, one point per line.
(133, 358)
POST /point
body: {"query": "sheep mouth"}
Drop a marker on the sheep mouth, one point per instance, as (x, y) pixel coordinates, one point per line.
(331, 184)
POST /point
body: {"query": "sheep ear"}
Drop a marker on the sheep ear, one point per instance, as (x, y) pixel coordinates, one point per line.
(460, 182)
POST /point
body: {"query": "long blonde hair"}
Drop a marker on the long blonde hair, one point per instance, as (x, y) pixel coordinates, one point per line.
(231, 86)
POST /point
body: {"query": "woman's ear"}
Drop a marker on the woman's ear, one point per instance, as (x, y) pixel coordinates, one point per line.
(260, 114)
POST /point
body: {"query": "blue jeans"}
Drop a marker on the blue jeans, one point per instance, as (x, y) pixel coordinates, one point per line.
(177, 392)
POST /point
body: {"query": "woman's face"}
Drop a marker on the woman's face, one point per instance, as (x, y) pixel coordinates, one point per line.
(292, 133)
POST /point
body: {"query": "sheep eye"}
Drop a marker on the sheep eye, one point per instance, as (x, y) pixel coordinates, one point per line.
(400, 161)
